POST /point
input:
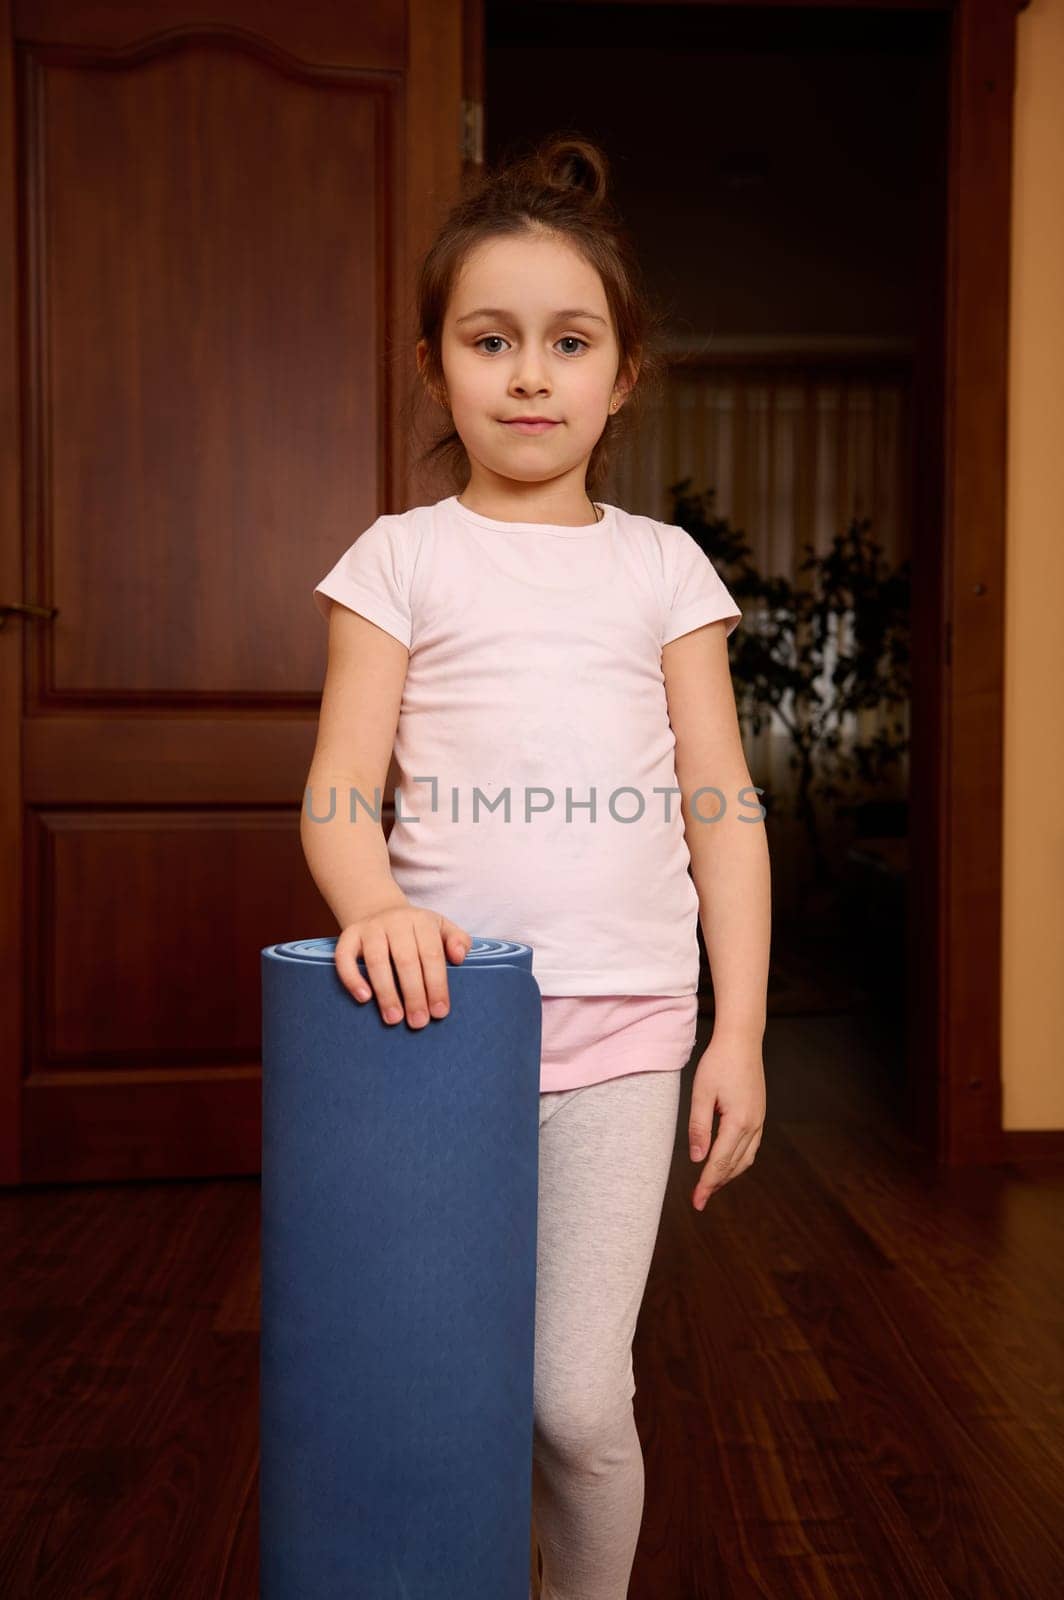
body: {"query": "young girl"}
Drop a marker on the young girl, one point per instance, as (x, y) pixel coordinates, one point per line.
(553, 675)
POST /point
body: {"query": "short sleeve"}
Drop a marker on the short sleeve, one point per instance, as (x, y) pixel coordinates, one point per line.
(695, 592)
(372, 578)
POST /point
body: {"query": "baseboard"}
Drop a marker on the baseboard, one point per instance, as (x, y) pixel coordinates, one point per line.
(1032, 1144)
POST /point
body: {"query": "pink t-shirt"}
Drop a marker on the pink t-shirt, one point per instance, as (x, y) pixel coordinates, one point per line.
(537, 798)
(589, 1038)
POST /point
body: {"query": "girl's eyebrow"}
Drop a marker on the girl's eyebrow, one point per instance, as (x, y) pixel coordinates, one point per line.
(506, 316)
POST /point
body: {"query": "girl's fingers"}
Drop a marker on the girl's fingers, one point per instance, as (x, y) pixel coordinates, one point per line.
(457, 942)
(725, 1158)
(347, 966)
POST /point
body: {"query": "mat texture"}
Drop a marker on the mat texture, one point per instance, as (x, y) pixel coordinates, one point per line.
(399, 1189)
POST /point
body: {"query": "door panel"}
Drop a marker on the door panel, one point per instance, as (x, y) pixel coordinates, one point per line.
(208, 286)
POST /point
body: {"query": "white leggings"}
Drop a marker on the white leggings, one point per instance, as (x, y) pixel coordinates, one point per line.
(604, 1156)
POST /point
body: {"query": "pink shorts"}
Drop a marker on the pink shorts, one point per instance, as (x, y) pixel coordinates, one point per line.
(590, 1037)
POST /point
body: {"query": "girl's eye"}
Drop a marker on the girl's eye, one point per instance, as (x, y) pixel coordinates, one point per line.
(566, 338)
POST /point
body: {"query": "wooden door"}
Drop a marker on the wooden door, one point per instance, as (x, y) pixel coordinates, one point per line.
(206, 277)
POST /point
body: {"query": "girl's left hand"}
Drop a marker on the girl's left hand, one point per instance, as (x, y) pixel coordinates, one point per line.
(730, 1078)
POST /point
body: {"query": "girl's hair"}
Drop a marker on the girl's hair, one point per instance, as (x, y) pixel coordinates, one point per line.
(557, 189)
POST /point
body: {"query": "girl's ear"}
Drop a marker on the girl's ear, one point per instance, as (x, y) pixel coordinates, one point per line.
(625, 383)
(438, 393)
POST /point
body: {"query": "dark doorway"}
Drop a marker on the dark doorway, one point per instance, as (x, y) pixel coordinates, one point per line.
(784, 172)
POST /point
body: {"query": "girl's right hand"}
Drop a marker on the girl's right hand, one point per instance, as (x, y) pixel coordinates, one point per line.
(419, 942)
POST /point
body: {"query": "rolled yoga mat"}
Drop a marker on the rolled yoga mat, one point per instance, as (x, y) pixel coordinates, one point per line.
(400, 1172)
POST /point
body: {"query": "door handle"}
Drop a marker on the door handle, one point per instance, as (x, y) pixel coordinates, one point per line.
(23, 608)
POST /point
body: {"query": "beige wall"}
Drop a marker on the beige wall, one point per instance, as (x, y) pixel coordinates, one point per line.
(1033, 909)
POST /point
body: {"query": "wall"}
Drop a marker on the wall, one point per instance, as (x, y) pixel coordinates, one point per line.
(1033, 908)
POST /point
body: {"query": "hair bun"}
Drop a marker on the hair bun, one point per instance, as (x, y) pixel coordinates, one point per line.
(568, 161)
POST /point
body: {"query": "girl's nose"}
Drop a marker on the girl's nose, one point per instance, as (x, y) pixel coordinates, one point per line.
(530, 380)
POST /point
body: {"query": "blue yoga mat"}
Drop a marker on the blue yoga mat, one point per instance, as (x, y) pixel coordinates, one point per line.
(400, 1173)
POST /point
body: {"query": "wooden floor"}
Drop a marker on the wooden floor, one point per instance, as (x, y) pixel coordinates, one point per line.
(849, 1369)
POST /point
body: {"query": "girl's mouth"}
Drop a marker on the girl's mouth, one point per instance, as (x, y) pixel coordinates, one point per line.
(520, 426)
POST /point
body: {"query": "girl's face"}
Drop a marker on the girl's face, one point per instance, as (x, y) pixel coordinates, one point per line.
(528, 333)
